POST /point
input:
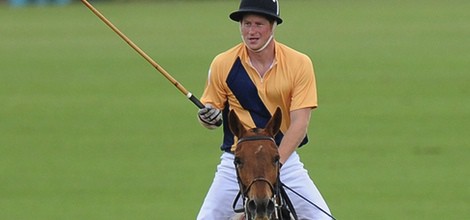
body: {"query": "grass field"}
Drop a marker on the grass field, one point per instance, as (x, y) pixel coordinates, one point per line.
(89, 130)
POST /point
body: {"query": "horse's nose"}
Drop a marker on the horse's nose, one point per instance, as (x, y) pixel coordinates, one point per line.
(261, 208)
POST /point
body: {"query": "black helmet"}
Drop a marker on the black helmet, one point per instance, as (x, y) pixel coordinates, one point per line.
(268, 8)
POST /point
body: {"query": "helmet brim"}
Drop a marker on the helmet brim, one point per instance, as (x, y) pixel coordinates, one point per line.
(238, 15)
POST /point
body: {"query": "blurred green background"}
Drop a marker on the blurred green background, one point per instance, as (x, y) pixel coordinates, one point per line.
(89, 130)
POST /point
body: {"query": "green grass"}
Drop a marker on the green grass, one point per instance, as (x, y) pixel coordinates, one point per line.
(89, 130)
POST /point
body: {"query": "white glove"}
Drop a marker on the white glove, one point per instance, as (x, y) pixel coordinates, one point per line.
(210, 117)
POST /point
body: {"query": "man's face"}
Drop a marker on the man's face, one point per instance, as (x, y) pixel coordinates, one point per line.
(255, 30)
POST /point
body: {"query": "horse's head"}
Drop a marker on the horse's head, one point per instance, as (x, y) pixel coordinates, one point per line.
(257, 165)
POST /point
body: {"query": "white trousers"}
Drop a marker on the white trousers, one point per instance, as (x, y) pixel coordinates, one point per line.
(218, 202)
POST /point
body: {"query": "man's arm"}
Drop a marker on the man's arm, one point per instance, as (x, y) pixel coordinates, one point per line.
(296, 132)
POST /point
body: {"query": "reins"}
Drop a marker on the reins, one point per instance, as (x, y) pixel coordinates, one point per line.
(307, 200)
(279, 192)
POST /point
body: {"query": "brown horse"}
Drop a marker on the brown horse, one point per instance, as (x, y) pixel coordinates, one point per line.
(257, 165)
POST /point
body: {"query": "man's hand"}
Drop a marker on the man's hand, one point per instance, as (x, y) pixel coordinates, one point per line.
(210, 117)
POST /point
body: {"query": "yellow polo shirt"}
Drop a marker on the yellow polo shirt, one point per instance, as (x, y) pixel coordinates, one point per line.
(233, 83)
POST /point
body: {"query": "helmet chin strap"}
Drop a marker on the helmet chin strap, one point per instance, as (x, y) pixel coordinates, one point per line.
(265, 44)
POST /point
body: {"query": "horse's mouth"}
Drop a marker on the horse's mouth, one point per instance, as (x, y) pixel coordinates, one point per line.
(261, 209)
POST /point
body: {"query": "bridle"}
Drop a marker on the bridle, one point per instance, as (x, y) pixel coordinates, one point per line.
(280, 198)
(245, 190)
(256, 138)
(276, 189)
(258, 179)
(279, 206)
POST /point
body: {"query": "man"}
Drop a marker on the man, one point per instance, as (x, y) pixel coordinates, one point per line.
(253, 78)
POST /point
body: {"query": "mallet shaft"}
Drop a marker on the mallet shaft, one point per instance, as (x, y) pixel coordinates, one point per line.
(160, 69)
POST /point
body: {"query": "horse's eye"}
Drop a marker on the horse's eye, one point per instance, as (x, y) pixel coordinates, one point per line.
(276, 159)
(237, 161)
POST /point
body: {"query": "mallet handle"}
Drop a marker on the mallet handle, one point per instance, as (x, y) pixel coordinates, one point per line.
(160, 69)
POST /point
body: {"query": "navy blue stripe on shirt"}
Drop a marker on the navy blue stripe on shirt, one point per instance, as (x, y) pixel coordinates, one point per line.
(228, 136)
(246, 93)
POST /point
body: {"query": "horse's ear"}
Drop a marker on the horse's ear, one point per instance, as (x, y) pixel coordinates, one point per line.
(273, 125)
(234, 124)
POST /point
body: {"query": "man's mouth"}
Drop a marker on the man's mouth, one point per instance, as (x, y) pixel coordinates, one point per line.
(253, 39)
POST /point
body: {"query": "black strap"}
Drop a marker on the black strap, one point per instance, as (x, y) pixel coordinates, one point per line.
(288, 202)
(256, 138)
(310, 202)
(235, 201)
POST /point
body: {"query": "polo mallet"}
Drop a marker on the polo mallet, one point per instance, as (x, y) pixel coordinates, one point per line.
(180, 87)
